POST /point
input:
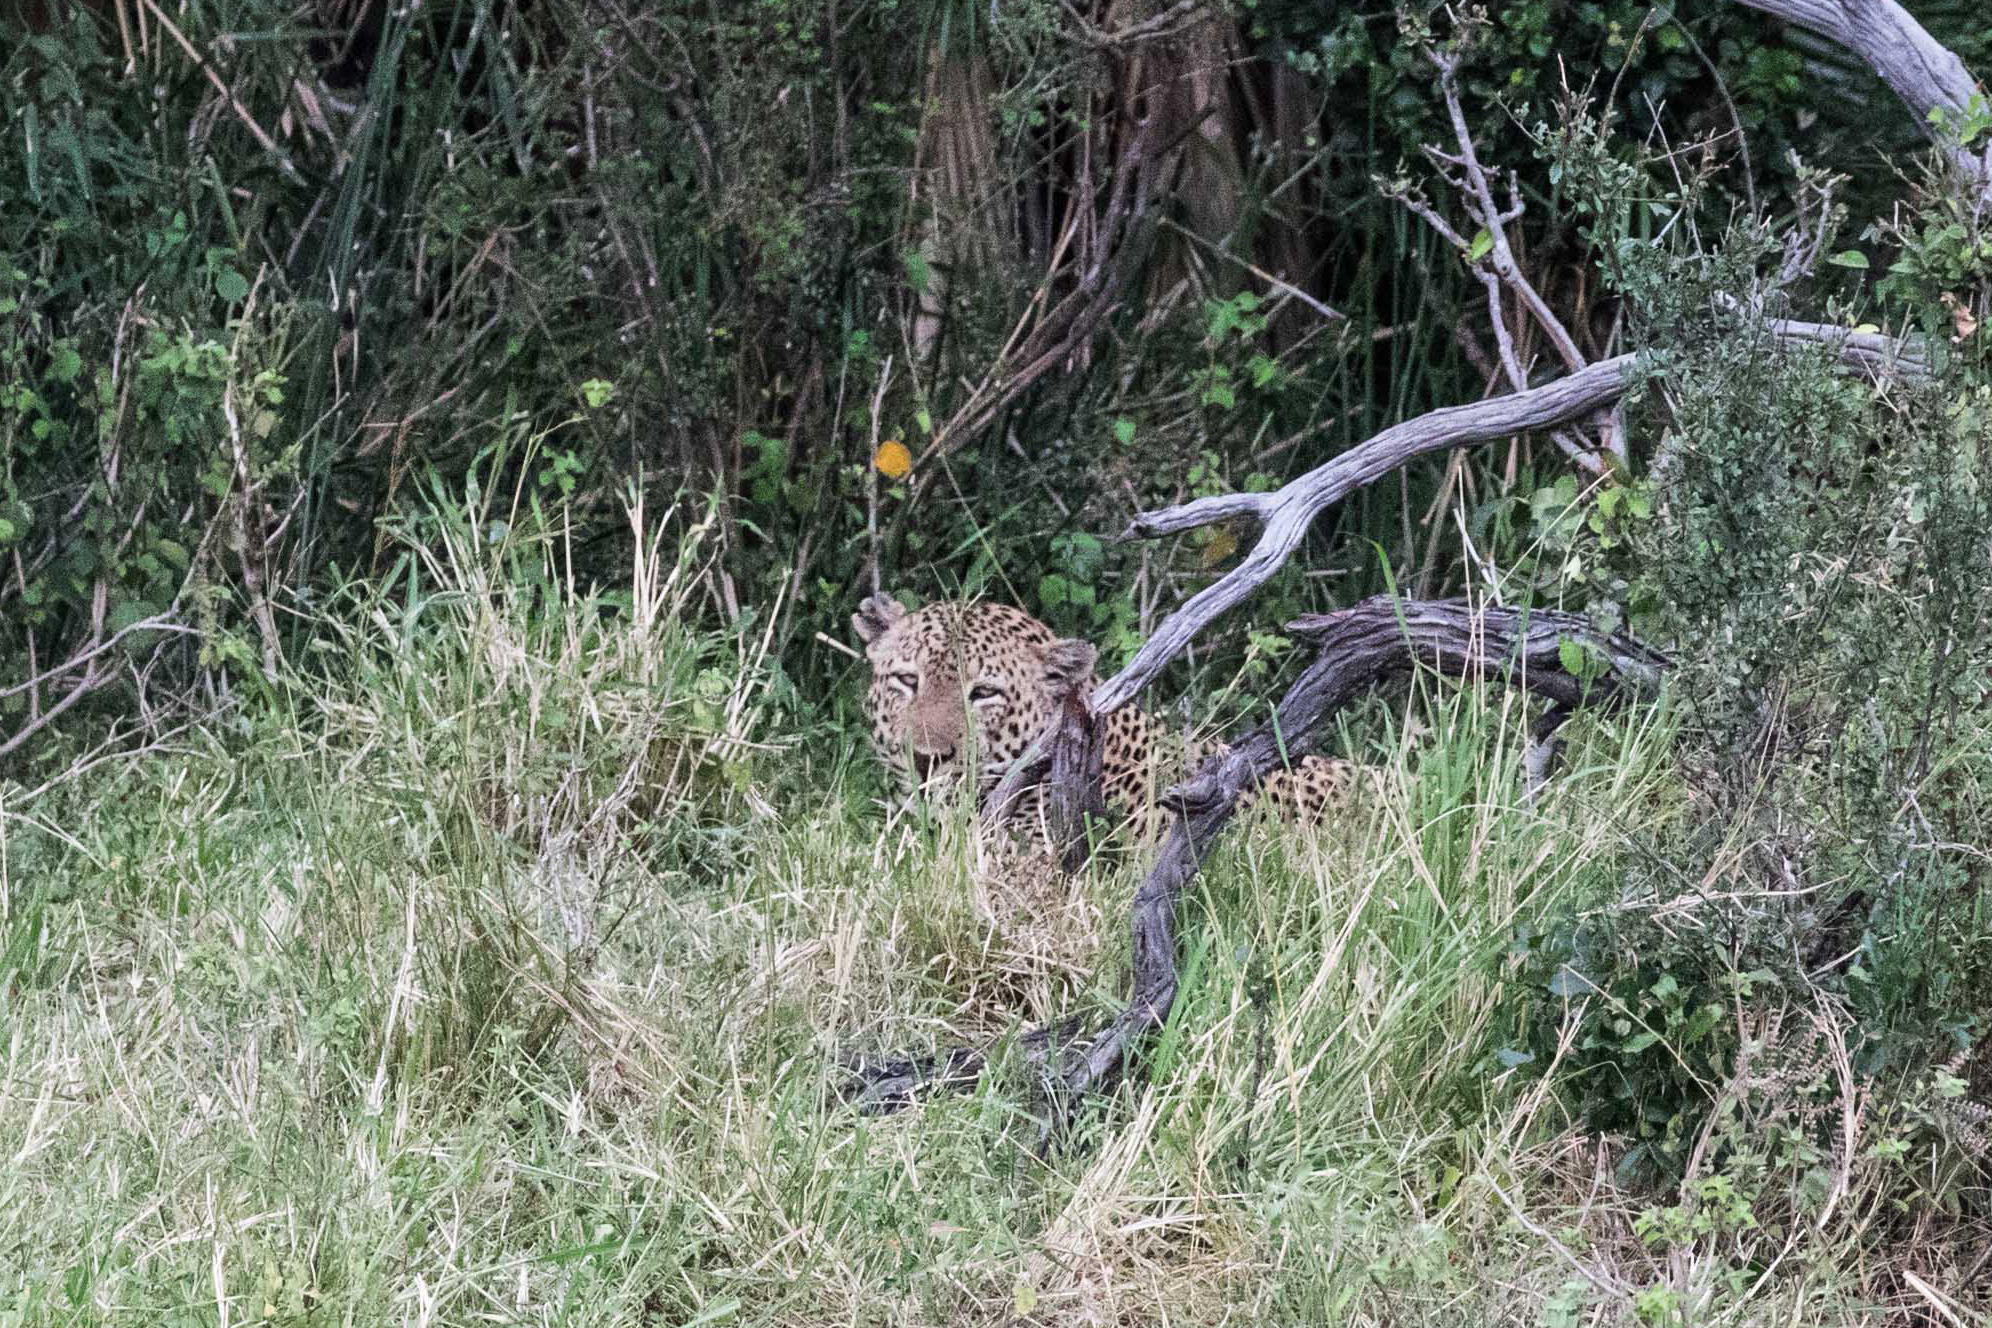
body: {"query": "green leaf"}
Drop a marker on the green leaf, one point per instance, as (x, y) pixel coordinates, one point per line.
(1124, 430)
(65, 363)
(1483, 244)
(1852, 258)
(231, 285)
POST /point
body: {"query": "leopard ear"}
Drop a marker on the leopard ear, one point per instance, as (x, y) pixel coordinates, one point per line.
(1070, 660)
(876, 616)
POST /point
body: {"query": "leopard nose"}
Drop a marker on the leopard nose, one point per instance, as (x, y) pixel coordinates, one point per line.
(925, 763)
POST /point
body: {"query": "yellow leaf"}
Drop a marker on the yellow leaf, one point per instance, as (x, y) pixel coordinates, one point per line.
(893, 460)
(1223, 543)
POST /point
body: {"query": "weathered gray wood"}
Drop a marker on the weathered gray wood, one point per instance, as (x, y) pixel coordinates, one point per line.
(1285, 515)
(1074, 796)
(1355, 649)
(1379, 639)
(1923, 72)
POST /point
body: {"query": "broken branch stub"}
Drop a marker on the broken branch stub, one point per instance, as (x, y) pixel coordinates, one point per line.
(1074, 795)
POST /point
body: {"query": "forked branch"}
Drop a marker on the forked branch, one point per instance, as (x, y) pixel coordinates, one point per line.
(1285, 514)
(1492, 258)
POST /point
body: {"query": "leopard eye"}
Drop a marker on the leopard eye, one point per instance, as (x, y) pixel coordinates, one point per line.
(984, 691)
(909, 681)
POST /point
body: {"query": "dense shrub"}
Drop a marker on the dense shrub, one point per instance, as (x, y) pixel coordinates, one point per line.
(1813, 545)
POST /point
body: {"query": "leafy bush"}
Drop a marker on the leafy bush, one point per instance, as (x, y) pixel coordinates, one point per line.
(1817, 558)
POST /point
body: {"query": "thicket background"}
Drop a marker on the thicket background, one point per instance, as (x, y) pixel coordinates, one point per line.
(273, 272)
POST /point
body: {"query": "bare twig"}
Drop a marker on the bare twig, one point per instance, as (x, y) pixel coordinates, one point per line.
(1284, 287)
(1169, 23)
(1492, 257)
(94, 676)
(1500, 255)
(871, 476)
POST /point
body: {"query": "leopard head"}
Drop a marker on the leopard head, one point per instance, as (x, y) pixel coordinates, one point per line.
(959, 689)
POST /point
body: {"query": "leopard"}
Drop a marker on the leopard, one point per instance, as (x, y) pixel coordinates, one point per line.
(960, 689)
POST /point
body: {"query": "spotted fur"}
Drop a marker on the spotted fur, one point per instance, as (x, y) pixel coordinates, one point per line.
(960, 686)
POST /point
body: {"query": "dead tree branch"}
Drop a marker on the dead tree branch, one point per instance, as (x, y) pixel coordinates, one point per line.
(1285, 514)
(1589, 391)
(96, 672)
(100, 658)
(1054, 331)
(1922, 71)
(1356, 649)
(1492, 258)
(1378, 639)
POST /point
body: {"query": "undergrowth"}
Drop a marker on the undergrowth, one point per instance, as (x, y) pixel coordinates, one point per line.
(501, 964)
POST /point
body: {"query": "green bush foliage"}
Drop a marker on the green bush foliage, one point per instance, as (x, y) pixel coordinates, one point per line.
(1811, 541)
(246, 312)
